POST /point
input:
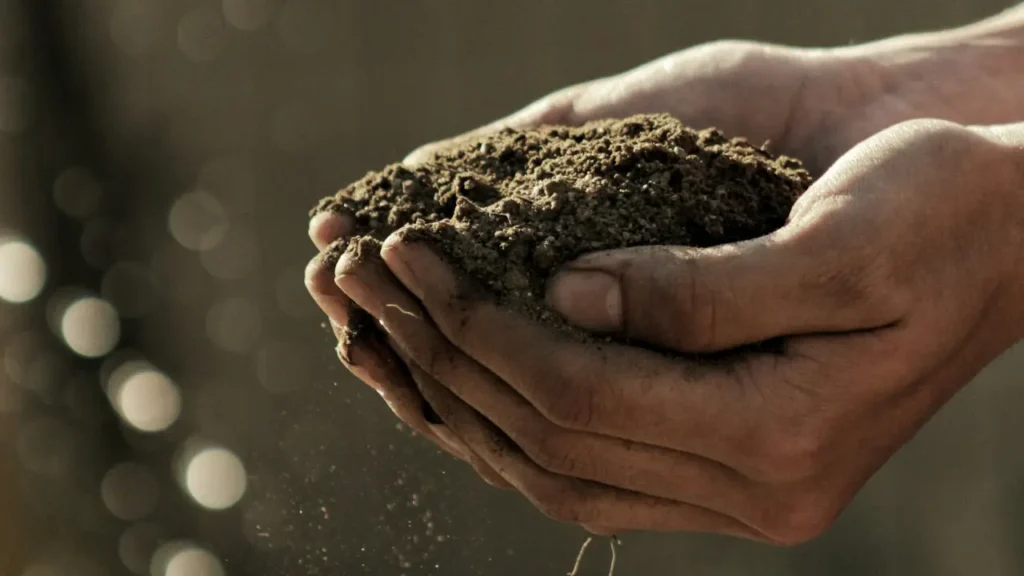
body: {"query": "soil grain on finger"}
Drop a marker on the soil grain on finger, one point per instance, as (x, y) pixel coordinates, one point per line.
(508, 209)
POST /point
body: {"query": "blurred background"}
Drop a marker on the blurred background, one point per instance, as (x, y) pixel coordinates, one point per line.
(170, 402)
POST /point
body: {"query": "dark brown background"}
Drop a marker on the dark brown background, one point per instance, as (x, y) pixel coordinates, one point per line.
(162, 98)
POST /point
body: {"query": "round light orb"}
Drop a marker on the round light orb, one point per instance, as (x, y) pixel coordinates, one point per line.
(22, 271)
(215, 478)
(90, 327)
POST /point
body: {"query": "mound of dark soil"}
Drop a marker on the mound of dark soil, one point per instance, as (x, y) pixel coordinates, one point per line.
(510, 208)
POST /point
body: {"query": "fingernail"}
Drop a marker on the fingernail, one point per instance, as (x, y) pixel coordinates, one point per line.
(587, 298)
(343, 265)
(315, 224)
(395, 258)
(327, 226)
(343, 355)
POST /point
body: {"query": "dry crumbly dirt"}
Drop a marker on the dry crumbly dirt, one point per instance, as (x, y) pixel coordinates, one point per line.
(508, 209)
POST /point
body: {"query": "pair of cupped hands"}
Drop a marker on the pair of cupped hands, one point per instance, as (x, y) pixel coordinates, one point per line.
(896, 279)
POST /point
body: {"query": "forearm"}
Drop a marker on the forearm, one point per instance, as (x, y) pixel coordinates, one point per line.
(976, 72)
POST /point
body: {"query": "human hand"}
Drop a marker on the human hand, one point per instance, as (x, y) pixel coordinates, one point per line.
(700, 75)
(895, 281)
(842, 96)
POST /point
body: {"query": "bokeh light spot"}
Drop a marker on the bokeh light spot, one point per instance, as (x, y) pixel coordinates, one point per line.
(145, 398)
(184, 559)
(22, 271)
(90, 327)
(198, 221)
(215, 478)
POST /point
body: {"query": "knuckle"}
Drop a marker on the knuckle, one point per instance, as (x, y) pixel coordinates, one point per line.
(561, 503)
(432, 356)
(865, 279)
(568, 404)
(458, 319)
(423, 153)
(316, 277)
(438, 360)
(559, 107)
(800, 520)
(553, 453)
(933, 140)
(462, 323)
(934, 132)
(736, 51)
(742, 55)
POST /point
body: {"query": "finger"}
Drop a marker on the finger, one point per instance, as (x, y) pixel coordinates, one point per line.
(320, 284)
(621, 463)
(481, 467)
(329, 225)
(405, 409)
(364, 362)
(601, 530)
(701, 407)
(372, 361)
(555, 108)
(796, 281)
(372, 272)
(569, 499)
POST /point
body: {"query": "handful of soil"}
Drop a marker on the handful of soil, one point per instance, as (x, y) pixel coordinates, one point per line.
(509, 209)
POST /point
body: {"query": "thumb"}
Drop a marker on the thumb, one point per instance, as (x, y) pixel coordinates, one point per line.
(711, 299)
